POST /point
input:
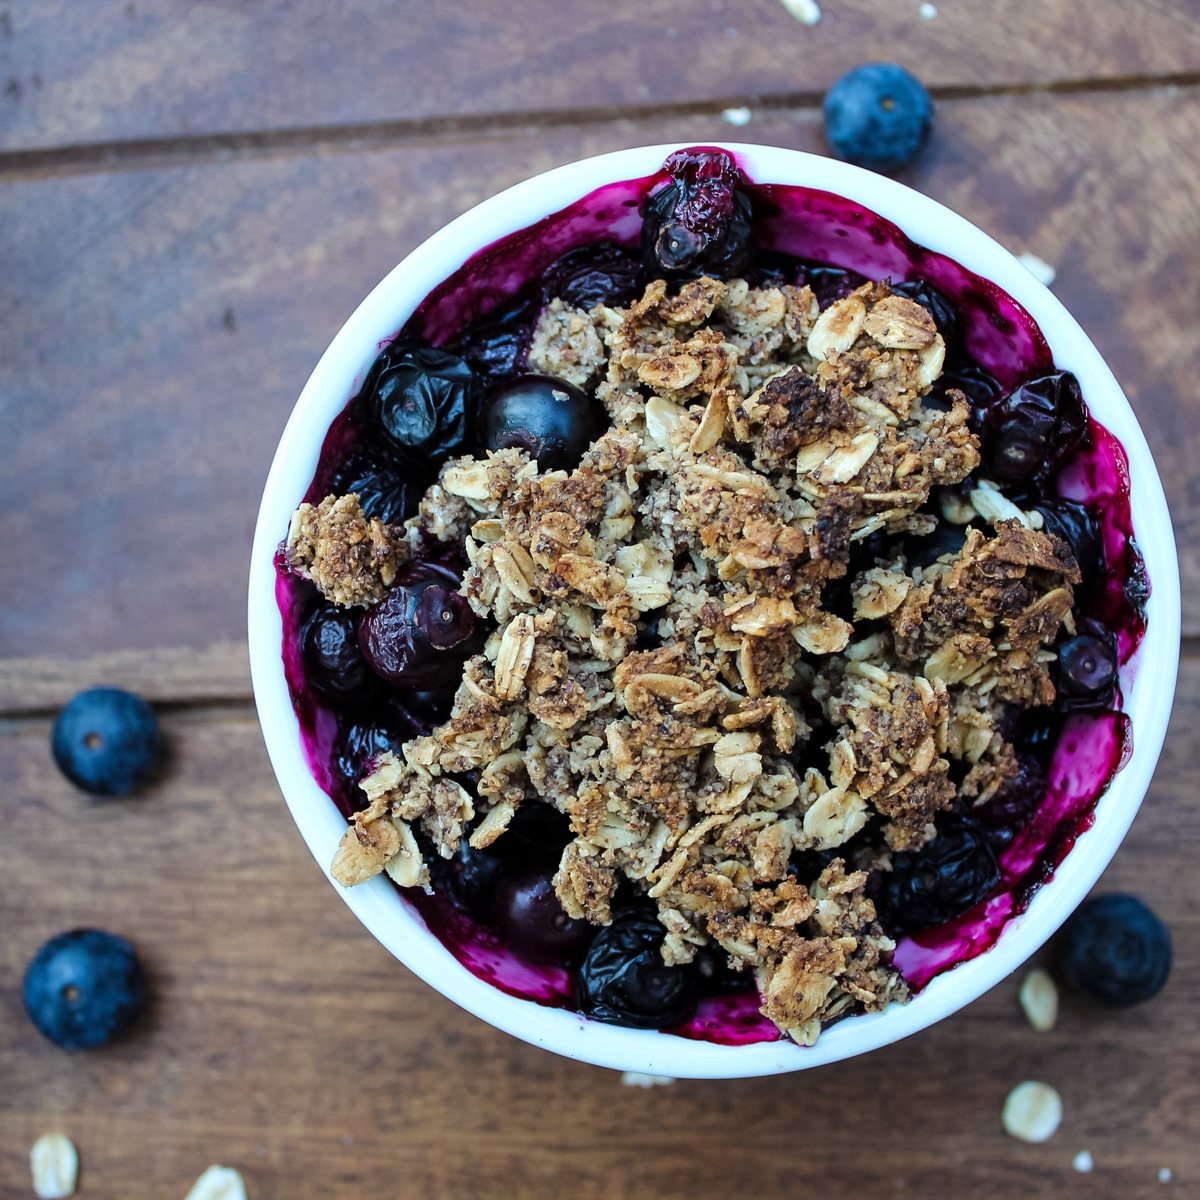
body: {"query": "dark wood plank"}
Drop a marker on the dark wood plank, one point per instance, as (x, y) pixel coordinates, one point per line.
(156, 326)
(88, 71)
(285, 1042)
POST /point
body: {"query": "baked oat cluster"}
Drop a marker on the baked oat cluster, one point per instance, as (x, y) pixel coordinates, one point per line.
(754, 440)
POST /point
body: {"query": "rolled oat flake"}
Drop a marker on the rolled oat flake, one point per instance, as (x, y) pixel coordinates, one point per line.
(54, 1162)
(218, 1183)
(1032, 1112)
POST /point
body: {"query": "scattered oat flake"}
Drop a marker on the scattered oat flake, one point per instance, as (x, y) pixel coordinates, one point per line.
(1039, 1000)
(1032, 1112)
(637, 1079)
(805, 11)
(737, 116)
(1164, 1175)
(1082, 1162)
(1039, 268)
(928, 11)
(54, 1162)
(218, 1183)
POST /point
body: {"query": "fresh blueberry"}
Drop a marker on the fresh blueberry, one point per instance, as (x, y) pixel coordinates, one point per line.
(549, 418)
(419, 400)
(878, 116)
(84, 988)
(420, 634)
(106, 741)
(1087, 667)
(527, 915)
(940, 882)
(701, 222)
(1031, 433)
(333, 662)
(1115, 950)
(1071, 521)
(624, 981)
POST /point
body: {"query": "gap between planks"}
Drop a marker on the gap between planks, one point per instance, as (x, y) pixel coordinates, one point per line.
(176, 677)
(352, 138)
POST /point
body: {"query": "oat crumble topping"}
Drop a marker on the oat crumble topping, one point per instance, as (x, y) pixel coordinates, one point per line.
(754, 439)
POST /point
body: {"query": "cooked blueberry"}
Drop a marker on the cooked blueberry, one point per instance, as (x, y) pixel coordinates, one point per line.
(1087, 667)
(878, 115)
(420, 400)
(939, 306)
(536, 835)
(469, 879)
(648, 637)
(386, 493)
(333, 661)
(496, 345)
(831, 283)
(432, 705)
(700, 223)
(1071, 521)
(549, 418)
(940, 882)
(84, 988)
(1136, 588)
(1031, 432)
(624, 981)
(981, 389)
(420, 634)
(1115, 950)
(924, 551)
(106, 741)
(361, 741)
(603, 273)
(528, 917)
(1013, 806)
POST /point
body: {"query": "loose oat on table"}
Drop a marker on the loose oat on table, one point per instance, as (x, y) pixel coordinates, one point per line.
(54, 1164)
(754, 440)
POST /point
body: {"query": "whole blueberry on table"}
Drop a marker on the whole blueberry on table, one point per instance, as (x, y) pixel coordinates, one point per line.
(106, 741)
(549, 418)
(878, 116)
(84, 988)
(624, 981)
(701, 222)
(420, 400)
(1114, 949)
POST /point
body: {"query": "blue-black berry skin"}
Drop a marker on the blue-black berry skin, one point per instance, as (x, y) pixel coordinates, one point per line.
(84, 988)
(1115, 950)
(106, 741)
(878, 116)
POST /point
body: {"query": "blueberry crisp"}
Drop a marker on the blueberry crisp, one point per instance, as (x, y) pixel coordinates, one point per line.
(687, 625)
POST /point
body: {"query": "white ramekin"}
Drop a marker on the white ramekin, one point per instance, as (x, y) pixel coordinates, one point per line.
(1148, 681)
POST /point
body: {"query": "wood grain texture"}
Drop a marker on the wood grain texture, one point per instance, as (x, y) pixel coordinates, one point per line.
(284, 1041)
(156, 326)
(87, 71)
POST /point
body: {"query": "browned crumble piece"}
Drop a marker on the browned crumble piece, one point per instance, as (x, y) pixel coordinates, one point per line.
(351, 559)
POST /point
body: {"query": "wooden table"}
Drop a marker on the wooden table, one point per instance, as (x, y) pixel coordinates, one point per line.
(193, 197)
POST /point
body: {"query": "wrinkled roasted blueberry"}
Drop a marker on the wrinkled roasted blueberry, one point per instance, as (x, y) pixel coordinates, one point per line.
(1115, 950)
(940, 882)
(924, 551)
(699, 223)
(624, 981)
(360, 742)
(604, 273)
(333, 662)
(1012, 807)
(550, 419)
(106, 741)
(981, 389)
(1029, 434)
(1069, 520)
(420, 400)
(831, 283)
(469, 879)
(497, 345)
(879, 116)
(384, 492)
(420, 634)
(84, 988)
(1087, 667)
(1136, 588)
(527, 915)
(939, 306)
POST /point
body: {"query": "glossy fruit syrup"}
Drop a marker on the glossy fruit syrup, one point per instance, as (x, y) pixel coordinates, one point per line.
(486, 312)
